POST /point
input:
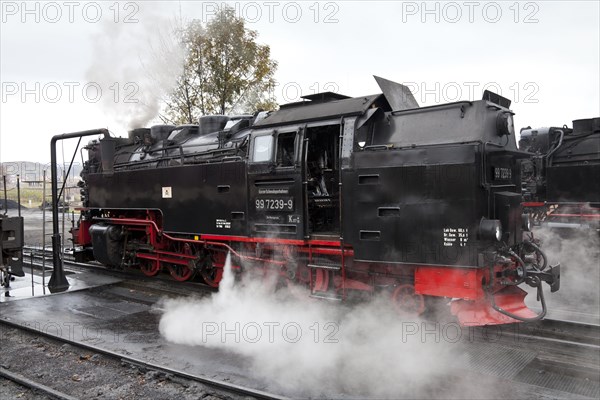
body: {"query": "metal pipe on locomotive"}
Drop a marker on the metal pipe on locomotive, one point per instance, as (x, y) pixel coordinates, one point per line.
(349, 197)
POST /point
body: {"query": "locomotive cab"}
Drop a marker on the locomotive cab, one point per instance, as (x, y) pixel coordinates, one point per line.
(294, 181)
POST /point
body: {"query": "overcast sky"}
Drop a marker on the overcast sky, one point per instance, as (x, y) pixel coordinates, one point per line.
(545, 56)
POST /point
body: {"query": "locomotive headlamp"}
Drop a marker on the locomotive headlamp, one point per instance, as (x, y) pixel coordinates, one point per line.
(526, 222)
(505, 124)
(490, 229)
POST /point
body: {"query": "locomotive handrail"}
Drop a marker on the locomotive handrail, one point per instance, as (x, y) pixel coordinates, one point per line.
(176, 146)
(182, 154)
(379, 147)
(232, 158)
(304, 178)
(341, 195)
(560, 141)
(395, 147)
(182, 157)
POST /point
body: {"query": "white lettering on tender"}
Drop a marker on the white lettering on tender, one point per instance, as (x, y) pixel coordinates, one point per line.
(455, 235)
(223, 224)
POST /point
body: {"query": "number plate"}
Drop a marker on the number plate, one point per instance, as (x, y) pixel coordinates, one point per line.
(502, 173)
(274, 204)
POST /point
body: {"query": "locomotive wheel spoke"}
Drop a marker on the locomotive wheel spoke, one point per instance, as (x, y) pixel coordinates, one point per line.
(212, 270)
(407, 302)
(180, 273)
(212, 276)
(149, 267)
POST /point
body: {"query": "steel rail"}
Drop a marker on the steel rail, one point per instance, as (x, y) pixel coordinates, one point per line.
(33, 385)
(567, 332)
(553, 331)
(213, 383)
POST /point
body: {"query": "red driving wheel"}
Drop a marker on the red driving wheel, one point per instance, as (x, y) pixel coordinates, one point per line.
(149, 267)
(180, 272)
(212, 271)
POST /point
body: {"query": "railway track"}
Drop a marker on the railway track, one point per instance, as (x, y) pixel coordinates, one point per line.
(219, 387)
(33, 385)
(549, 331)
(565, 332)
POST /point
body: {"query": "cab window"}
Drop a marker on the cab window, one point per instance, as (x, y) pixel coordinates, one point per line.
(263, 149)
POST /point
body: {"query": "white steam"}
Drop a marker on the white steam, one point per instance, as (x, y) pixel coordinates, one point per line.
(136, 65)
(578, 252)
(307, 347)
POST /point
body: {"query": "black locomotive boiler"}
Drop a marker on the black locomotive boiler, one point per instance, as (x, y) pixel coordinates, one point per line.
(561, 180)
(349, 197)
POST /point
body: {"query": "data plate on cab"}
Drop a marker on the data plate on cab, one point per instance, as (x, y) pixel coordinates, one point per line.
(274, 204)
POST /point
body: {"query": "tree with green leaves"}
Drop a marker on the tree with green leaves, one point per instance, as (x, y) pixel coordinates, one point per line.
(225, 71)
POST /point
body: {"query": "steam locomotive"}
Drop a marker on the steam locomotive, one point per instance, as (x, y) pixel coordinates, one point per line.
(347, 197)
(560, 182)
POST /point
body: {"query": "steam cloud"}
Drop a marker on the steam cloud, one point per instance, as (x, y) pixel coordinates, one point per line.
(578, 251)
(136, 65)
(364, 351)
